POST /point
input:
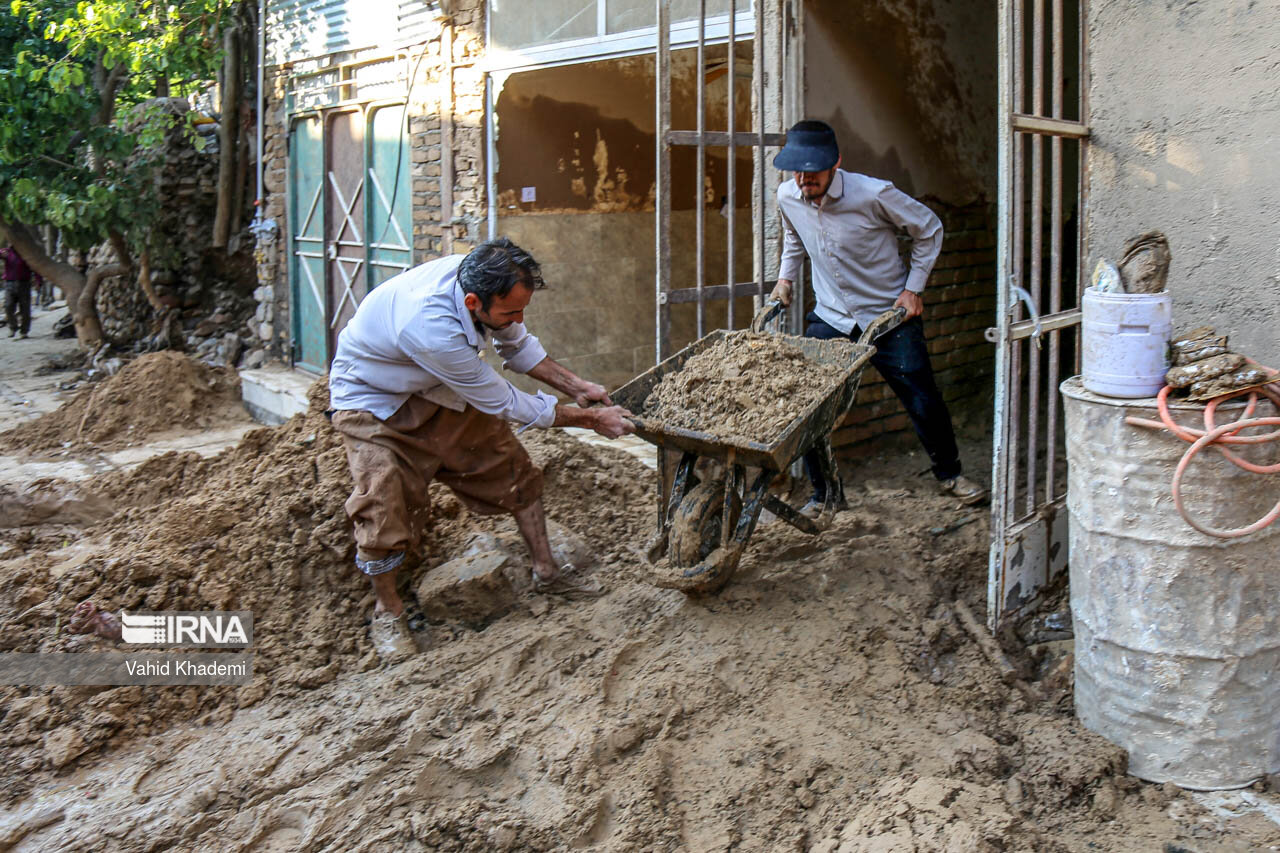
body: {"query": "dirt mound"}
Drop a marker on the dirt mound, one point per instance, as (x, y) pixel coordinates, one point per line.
(745, 387)
(153, 393)
(261, 528)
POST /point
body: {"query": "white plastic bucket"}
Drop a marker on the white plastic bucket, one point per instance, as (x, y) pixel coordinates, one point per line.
(1125, 342)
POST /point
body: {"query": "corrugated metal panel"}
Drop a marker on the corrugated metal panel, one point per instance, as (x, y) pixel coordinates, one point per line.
(303, 29)
(418, 21)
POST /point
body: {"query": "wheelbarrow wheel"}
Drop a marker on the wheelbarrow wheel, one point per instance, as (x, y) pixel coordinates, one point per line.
(698, 523)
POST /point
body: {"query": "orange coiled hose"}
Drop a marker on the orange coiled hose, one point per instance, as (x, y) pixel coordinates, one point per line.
(1216, 436)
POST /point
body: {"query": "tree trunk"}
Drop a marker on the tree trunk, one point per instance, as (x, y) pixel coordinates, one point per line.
(228, 135)
(88, 324)
(65, 276)
(241, 179)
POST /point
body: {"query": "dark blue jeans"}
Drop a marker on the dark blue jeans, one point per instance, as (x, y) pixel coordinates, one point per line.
(903, 360)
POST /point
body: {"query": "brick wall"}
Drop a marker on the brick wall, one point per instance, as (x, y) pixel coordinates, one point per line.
(959, 305)
(448, 106)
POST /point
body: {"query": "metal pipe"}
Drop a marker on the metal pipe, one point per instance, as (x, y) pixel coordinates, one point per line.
(262, 58)
(491, 157)
(732, 162)
(700, 202)
(1055, 254)
(1082, 182)
(1036, 284)
(762, 197)
(662, 201)
(1016, 198)
(1004, 280)
(446, 143)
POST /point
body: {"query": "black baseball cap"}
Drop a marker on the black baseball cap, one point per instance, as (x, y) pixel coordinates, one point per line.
(811, 147)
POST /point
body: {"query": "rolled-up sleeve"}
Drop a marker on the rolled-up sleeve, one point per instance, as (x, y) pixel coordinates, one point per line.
(461, 369)
(519, 350)
(924, 228)
(792, 248)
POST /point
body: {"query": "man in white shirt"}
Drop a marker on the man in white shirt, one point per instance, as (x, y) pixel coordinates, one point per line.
(415, 402)
(848, 225)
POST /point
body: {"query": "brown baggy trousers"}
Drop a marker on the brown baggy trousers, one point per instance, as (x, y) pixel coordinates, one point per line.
(392, 462)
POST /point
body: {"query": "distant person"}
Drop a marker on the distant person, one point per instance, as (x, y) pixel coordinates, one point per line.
(17, 292)
(415, 403)
(848, 225)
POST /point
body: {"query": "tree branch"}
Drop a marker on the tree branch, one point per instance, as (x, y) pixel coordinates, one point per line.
(96, 275)
(121, 247)
(32, 250)
(144, 281)
(113, 80)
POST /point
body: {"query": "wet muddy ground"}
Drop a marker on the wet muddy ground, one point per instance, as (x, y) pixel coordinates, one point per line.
(830, 698)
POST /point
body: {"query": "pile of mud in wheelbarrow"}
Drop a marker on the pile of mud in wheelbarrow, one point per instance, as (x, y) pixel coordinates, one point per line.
(730, 415)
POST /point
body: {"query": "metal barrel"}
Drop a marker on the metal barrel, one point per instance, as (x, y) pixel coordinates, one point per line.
(1177, 634)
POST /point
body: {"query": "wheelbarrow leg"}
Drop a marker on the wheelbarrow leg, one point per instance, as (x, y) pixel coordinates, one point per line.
(680, 485)
(715, 571)
(831, 476)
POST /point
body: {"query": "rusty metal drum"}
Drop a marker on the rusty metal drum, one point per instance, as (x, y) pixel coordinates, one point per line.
(1177, 634)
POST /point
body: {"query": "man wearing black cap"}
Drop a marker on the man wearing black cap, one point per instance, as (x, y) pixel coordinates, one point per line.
(848, 225)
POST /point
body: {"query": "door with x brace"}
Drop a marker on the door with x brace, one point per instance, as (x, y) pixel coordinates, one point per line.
(344, 219)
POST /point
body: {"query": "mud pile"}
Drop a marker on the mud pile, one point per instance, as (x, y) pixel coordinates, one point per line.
(261, 528)
(829, 699)
(746, 387)
(153, 393)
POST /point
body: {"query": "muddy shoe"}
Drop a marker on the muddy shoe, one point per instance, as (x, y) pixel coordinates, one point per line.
(391, 637)
(969, 492)
(570, 583)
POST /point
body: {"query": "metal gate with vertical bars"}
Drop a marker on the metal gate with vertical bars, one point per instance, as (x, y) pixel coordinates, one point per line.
(701, 138)
(1043, 112)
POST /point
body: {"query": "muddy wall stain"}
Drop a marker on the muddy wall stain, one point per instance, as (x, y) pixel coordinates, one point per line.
(583, 136)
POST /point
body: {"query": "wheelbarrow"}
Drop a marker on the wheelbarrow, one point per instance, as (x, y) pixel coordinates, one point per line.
(704, 524)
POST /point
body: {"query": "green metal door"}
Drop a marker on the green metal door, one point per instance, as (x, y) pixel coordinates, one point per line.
(387, 199)
(306, 245)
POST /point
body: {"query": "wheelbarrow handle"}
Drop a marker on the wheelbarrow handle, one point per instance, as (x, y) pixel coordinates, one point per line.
(886, 322)
(771, 309)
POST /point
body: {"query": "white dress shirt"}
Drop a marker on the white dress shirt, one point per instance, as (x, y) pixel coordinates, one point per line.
(413, 334)
(851, 237)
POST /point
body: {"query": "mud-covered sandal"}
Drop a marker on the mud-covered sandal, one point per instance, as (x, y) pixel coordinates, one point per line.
(570, 583)
(391, 637)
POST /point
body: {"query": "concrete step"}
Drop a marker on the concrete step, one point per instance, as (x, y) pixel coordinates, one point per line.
(274, 394)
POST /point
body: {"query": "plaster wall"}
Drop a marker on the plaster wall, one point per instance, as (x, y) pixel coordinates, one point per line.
(1185, 113)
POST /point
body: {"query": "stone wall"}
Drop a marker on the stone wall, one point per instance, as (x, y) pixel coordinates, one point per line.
(270, 323)
(208, 289)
